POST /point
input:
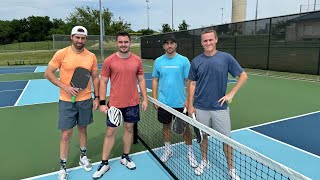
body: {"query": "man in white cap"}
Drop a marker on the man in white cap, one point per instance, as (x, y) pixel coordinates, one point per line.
(78, 113)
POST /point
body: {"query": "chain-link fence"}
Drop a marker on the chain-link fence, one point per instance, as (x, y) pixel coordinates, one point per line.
(287, 43)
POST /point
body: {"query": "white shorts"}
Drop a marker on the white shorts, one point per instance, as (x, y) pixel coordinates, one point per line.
(218, 120)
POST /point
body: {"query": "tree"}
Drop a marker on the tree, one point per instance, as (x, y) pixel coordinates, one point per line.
(183, 26)
(90, 18)
(146, 31)
(166, 28)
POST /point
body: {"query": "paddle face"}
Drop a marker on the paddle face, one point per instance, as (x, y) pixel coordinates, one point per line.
(179, 125)
(80, 79)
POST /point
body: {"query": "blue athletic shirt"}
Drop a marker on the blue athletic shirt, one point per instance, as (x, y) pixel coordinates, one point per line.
(172, 74)
(211, 76)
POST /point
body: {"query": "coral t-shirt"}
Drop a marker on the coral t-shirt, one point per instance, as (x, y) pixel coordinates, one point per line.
(123, 74)
(66, 60)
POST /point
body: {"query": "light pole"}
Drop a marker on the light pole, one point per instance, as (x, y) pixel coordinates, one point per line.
(148, 12)
(172, 14)
(256, 10)
(101, 33)
(221, 15)
(314, 6)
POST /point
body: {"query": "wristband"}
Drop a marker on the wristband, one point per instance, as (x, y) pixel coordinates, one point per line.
(95, 97)
(102, 102)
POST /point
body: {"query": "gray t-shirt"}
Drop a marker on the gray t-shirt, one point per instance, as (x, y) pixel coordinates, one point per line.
(211, 76)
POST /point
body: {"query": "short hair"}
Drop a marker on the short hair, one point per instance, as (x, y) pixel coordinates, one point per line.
(210, 30)
(123, 33)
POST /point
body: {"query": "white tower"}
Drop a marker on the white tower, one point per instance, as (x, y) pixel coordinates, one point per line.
(239, 10)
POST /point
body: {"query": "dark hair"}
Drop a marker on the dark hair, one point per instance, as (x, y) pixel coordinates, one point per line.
(123, 33)
(210, 30)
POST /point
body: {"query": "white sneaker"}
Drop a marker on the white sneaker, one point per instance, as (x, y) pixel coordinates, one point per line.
(102, 169)
(200, 169)
(166, 155)
(128, 163)
(62, 174)
(233, 174)
(84, 162)
(192, 160)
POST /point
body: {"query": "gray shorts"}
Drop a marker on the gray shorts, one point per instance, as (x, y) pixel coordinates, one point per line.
(218, 120)
(72, 114)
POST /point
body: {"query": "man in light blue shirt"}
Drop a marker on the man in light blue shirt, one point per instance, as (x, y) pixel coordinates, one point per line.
(170, 72)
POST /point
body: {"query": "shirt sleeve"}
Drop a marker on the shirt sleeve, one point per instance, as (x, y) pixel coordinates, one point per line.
(57, 59)
(192, 73)
(95, 64)
(155, 71)
(234, 67)
(187, 68)
(105, 71)
(140, 67)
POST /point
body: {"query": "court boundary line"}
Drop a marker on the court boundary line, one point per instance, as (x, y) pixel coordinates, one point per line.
(279, 120)
(36, 69)
(9, 90)
(286, 144)
(15, 104)
(79, 167)
(283, 77)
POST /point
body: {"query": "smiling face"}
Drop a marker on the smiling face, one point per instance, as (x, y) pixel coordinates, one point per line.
(123, 44)
(209, 41)
(78, 41)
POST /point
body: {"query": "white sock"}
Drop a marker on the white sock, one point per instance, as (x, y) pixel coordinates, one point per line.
(189, 147)
(167, 146)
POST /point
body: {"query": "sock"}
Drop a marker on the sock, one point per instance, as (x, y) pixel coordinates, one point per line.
(124, 155)
(167, 146)
(83, 151)
(189, 147)
(63, 164)
(105, 162)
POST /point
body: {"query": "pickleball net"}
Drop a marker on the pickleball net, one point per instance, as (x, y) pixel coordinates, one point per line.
(247, 163)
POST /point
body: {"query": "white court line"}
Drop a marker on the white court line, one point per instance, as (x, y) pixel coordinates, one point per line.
(284, 119)
(15, 104)
(79, 167)
(272, 139)
(36, 69)
(11, 90)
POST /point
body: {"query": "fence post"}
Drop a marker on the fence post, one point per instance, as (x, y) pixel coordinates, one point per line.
(269, 41)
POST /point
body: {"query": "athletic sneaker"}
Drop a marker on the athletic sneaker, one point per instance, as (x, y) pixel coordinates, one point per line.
(62, 174)
(192, 160)
(84, 162)
(166, 155)
(127, 161)
(200, 169)
(102, 169)
(233, 174)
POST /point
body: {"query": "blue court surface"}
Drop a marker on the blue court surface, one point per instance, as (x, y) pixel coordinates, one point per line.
(148, 168)
(286, 153)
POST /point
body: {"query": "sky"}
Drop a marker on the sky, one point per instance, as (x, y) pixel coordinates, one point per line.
(196, 13)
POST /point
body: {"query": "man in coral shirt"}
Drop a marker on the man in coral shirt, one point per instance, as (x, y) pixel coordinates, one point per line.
(124, 69)
(80, 112)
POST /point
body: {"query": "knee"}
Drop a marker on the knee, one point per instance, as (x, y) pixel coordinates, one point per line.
(66, 136)
(128, 128)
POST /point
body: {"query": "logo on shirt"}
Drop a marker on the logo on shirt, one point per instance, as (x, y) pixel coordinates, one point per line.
(170, 67)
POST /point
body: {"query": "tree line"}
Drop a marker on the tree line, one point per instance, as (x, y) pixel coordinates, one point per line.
(39, 28)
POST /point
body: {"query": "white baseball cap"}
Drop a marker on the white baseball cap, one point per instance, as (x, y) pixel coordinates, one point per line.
(79, 30)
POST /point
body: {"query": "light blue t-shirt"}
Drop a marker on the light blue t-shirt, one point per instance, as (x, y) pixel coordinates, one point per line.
(211, 76)
(172, 74)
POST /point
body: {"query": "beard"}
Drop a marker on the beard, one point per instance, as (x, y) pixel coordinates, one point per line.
(126, 50)
(78, 46)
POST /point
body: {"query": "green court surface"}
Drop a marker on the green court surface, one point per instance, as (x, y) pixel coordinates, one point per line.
(30, 139)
